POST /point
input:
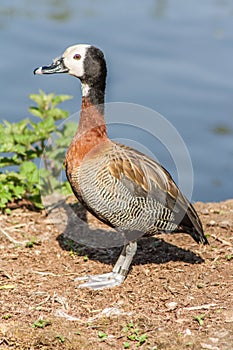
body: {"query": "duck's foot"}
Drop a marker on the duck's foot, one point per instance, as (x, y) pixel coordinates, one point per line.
(118, 274)
(97, 282)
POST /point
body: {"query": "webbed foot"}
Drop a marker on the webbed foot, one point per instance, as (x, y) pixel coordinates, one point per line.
(118, 274)
(97, 282)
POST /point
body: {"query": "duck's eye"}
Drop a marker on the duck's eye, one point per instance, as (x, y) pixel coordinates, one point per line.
(77, 56)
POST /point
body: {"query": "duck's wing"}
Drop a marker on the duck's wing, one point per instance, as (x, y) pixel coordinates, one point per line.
(134, 192)
(147, 178)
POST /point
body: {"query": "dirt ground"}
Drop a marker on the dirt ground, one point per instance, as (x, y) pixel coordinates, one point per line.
(178, 295)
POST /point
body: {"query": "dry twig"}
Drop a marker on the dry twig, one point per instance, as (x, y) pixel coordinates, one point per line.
(221, 240)
(11, 239)
(200, 307)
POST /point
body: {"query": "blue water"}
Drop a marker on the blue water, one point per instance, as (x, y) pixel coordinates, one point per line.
(174, 57)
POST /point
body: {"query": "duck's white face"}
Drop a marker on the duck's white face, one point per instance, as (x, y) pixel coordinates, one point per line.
(72, 62)
(83, 61)
(73, 59)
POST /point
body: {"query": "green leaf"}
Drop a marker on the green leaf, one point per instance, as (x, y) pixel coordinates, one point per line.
(132, 337)
(41, 324)
(142, 339)
(200, 319)
(37, 112)
(60, 338)
(102, 335)
(60, 98)
(7, 161)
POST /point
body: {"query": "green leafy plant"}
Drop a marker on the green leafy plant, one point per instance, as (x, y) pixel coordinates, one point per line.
(134, 335)
(229, 257)
(33, 241)
(102, 335)
(60, 338)
(23, 145)
(7, 316)
(200, 319)
(41, 324)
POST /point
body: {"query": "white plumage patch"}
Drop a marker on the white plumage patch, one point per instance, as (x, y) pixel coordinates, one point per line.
(76, 67)
(85, 89)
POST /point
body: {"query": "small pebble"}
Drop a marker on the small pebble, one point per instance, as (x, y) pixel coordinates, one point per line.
(209, 346)
(225, 224)
(188, 332)
(214, 340)
(172, 305)
(205, 211)
(212, 223)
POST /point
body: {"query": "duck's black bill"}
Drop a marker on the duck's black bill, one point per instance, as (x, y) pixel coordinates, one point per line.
(56, 67)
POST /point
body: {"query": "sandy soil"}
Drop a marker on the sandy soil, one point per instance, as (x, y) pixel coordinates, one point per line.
(178, 295)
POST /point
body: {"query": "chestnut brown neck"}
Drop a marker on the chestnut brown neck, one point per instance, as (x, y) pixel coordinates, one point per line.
(90, 133)
(91, 119)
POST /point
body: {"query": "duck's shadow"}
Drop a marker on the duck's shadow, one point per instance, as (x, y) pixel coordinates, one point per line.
(85, 241)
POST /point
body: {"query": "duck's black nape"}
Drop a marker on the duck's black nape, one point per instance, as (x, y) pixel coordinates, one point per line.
(95, 75)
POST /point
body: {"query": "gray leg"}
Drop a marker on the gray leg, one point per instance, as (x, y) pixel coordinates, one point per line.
(118, 274)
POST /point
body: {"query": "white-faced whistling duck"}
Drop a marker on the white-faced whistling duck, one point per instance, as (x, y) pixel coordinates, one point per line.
(122, 187)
